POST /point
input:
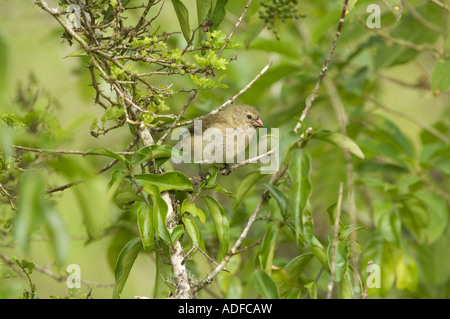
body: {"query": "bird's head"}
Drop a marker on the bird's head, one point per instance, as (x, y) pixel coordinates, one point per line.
(246, 116)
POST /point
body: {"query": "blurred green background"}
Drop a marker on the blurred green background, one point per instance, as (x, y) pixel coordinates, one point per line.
(32, 51)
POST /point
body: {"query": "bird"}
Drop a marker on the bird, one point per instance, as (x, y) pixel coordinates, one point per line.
(222, 137)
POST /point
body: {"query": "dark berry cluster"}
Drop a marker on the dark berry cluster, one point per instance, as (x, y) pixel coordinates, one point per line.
(273, 10)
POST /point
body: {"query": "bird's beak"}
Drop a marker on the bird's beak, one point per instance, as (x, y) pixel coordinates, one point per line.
(258, 123)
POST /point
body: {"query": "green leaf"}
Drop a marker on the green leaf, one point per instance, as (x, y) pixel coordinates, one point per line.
(273, 45)
(345, 288)
(160, 153)
(319, 251)
(434, 260)
(440, 79)
(218, 188)
(29, 213)
(218, 14)
(220, 222)
(414, 217)
(57, 233)
(168, 181)
(443, 164)
(395, 136)
(312, 290)
(28, 265)
(96, 213)
(301, 188)
(125, 199)
(183, 18)
(193, 210)
(288, 142)
(281, 199)
(348, 229)
(308, 226)
(389, 55)
(387, 267)
(265, 285)
(125, 262)
(245, 185)
(177, 232)
(341, 259)
(387, 220)
(296, 266)
(204, 8)
(383, 254)
(160, 210)
(108, 153)
(194, 232)
(406, 275)
(437, 215)
(341, 140)
(146, 227)
(268, 246)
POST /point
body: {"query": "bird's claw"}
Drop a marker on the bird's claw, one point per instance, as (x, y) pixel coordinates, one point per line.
(227, 169)
(204, 176)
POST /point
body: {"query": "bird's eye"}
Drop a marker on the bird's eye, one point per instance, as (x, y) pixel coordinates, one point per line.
(249, 116)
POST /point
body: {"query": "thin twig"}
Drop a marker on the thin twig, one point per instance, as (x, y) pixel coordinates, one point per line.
(256, 243)
(58, 278)
(335, 241)
(139, 188)
(63, 187)
(193, 36)
(56, 14)
(235, 27)
(100, 171)
(209, 258)
(324, 70)
(246, 162)
(50, 151)
(191, 98)
(10, 198)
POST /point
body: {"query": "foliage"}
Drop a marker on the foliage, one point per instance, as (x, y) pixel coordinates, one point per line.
(355, 187)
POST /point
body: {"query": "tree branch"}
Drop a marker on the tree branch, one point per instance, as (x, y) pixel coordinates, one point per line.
(324, 70)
